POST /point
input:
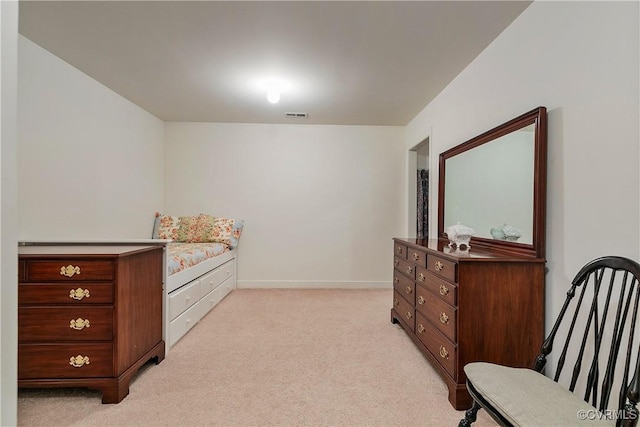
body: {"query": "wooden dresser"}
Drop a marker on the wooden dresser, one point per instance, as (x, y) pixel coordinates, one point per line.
(88, 316)
(465, 306)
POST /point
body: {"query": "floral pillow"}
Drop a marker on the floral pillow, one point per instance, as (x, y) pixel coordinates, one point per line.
(166, 227)
(220, 230)
(198, 229)
(190, 230)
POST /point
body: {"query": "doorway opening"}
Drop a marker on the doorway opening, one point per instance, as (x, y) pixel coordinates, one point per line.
(419, 190)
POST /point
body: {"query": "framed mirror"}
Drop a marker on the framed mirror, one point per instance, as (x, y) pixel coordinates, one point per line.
(495, 184)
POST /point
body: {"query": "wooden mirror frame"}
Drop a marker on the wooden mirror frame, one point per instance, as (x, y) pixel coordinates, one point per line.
(537, 117)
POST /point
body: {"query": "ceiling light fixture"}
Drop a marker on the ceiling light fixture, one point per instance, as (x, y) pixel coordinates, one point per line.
(273, 95)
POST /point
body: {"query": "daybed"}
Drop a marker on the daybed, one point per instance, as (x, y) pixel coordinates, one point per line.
(200, 267)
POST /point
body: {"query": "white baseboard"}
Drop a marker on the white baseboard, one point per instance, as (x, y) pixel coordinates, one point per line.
(310, 284)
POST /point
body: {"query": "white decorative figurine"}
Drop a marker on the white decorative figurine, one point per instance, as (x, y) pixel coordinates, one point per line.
(459, 235)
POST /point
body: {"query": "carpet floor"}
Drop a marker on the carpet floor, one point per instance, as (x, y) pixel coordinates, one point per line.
(273, 357)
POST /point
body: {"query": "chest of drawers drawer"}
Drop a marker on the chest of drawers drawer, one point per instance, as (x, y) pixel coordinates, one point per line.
(404, 309)
(68, 270)
(442, 267)
(84, 323)
(405, 267)
(400, 250)
(65, 293)
(439, 287)
(404, 286)
(87, 360)
(441, 348)
(439, 313)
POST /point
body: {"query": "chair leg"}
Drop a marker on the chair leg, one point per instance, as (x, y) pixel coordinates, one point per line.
(470, 415)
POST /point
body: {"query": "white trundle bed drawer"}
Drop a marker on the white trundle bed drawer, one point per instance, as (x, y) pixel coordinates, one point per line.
(212, 280)
(183, 323)
(183, 298)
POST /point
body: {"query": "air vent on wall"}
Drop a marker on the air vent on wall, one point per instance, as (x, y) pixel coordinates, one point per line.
(297, 115)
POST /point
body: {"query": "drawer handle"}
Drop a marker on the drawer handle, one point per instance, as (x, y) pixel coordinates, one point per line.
(443, 352)
(409, 270)
(396, 263)
(408, 290)
(439, 266)
(79, 324)
(444, 290)
(79, 293)
(399, 250)
(421, 277)
(79, 361)
(420, 300)
(444, 318)
(69, 270)
(395, 279)
(421, 328)
(416, 256)
(396, 302)
(409, 315)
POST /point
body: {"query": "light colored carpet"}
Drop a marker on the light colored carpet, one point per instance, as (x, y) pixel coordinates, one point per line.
(267, 357)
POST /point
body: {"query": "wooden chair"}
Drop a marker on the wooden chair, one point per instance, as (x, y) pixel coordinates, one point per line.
(598, 356)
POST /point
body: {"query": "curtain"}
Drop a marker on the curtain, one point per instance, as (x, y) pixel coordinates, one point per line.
(422, 211)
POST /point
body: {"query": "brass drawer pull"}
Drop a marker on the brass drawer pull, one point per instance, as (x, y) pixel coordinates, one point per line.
(79, 324)
(444, 290)
(399, 250)
(395, 279)
(409, 315)
(416, 256)
(444, 318)
(79, 361)
(79, 293)
(396, 262)
(439, 266)
(421, 277)
(420, 300)
(396, 302)
(443, 352)
(409, 270)
(408, 290)
(69, 270)
(421, 328)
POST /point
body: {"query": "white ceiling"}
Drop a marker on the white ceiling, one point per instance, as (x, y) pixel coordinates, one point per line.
(359, 63)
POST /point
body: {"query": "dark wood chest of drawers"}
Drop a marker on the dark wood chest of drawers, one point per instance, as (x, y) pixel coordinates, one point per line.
(465, 306)
(88, 316)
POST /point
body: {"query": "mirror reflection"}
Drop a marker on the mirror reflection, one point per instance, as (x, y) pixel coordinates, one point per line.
(491, 188)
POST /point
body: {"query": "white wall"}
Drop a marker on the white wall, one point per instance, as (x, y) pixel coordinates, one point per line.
(90, 163)
(8, 213)
(580, 60)
(320, 203)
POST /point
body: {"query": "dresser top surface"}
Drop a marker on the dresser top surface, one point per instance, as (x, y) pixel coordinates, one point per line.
(83, 250)
(472, 254)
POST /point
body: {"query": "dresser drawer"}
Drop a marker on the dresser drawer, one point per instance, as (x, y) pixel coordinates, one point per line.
(439, 313)
(65, 293)
(68, 270)
(65, 360)
(404, 309)
(83, 323)
(442, 289)
(441, 348)
(416, 256)
(442, 267)
(400, 250)
(405, 267)
(404, 286)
